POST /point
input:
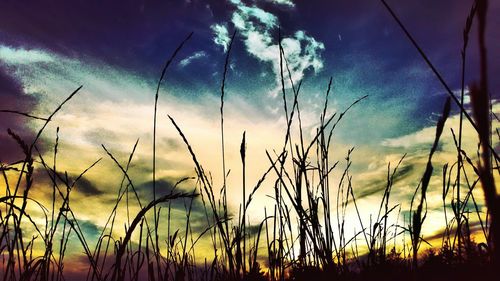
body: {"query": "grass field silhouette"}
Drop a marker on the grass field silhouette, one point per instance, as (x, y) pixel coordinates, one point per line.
(304, 235)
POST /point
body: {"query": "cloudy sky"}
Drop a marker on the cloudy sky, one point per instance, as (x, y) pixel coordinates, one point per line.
(116, 50)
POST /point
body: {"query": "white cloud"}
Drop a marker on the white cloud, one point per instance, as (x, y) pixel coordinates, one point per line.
(282, 2)
(197, 55)
(22, 56)
(424, 136)
(221, 35)
(258, 29)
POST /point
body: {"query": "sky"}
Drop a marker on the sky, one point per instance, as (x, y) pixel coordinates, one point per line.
(117, 49)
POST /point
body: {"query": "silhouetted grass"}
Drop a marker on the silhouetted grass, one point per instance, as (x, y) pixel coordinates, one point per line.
(306, 235)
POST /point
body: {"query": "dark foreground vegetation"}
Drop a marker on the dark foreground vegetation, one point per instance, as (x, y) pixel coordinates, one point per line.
(301, 238)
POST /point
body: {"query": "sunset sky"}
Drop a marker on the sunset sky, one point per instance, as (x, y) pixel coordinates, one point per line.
(116, 50)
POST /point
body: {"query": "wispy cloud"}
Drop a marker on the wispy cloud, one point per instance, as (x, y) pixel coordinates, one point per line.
(22, 56)
(221, 35)
(282, 2)
(197, 55)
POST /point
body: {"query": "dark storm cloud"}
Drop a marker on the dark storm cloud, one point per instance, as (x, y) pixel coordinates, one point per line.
(163, 187)
(82, 187)
(89, 228)
(12, 97)
(197, 213)
(87, 188)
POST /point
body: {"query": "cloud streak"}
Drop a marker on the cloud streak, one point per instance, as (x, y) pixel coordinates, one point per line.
(195, 56)
(288, 3)
(23, 56)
